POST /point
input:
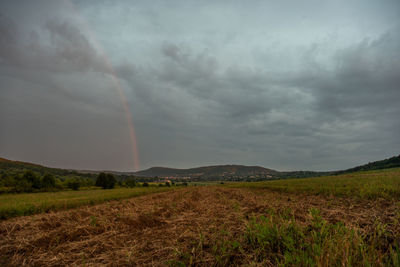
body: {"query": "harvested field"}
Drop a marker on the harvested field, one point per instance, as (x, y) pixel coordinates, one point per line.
(201, 226)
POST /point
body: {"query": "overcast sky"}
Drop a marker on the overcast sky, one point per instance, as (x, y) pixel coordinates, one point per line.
(286, 85)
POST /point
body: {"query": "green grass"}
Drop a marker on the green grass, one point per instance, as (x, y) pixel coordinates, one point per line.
(367, 185)
(284, 242)
(12, 205)
(278, 239)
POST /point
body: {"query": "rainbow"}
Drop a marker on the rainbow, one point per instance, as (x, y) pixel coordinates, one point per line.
(118, 87)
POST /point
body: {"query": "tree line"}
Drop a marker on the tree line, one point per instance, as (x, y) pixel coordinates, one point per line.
(30, 181)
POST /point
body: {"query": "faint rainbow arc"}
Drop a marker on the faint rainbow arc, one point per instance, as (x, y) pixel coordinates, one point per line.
(120, 91)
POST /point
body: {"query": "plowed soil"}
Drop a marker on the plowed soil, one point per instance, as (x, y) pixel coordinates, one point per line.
(155, 230)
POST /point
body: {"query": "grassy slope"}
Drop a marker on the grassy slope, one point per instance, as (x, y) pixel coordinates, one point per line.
(12, 205)
(393, 162)
(369, 185)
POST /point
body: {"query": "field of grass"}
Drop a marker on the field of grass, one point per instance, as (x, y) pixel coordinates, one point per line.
(274, 223)
(366, 185)
(209, 226)
(12, 205)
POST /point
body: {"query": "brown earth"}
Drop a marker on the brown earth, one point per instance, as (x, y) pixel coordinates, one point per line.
(160, 229)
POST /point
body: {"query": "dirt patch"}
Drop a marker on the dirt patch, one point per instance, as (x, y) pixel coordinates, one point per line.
(158, 229)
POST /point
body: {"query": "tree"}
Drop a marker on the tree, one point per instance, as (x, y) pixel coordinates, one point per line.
(7, 181)
(110, 181)
(48, 181)
(130, 182)
(106, 181)
(33, 179)
(21, 184)
(73, 184)
(101, 179)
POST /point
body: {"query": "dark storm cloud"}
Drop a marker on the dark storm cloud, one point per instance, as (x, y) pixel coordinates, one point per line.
(67, 48)
(366, 75)
(254, 84)
(349, 107)
(47, 87)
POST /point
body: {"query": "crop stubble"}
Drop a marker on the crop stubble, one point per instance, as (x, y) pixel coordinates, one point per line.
(160, 228)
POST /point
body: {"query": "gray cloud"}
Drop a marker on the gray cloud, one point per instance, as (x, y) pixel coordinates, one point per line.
(251, 91)
(59, 47)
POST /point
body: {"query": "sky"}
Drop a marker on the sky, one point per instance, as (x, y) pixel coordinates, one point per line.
(126, 85)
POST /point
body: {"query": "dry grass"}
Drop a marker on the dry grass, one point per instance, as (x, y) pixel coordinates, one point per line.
(186, 226)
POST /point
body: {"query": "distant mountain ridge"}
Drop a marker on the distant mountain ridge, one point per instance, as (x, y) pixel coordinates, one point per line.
(261, 172)
(235, 172)
(210, 171)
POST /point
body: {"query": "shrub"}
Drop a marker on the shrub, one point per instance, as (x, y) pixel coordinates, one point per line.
(130, 182)
(106, 181)
(73, 184)
(21, 185)
(48, 181)
(145, 184)
(110, 182)
(33, 179)
(101, 179)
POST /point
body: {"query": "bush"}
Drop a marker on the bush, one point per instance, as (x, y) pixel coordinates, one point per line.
(106, 181)
(145, 184)
(101, 179)
(33, 179)
(73, 184)
(130, 182)
(111, 181)
(21, 185)
(48, 181)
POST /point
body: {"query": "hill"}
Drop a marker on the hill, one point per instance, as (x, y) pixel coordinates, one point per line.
(393, 162)
(209, 172)
(16, 167)
(241, 172)
(217, 172)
